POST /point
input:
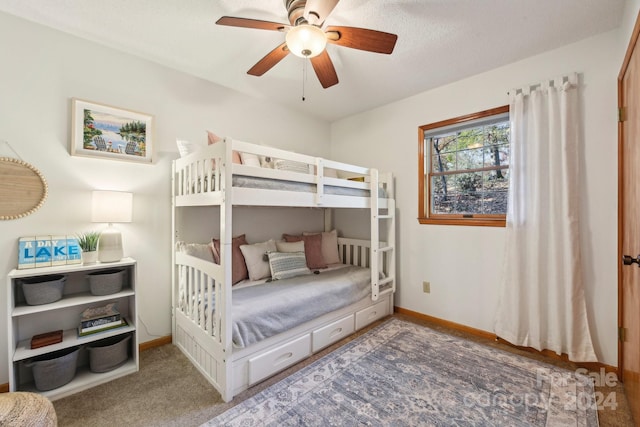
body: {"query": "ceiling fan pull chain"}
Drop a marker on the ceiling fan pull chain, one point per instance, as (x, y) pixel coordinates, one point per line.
(304, 76)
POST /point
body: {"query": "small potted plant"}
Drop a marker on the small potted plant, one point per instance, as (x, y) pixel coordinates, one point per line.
(88, 242)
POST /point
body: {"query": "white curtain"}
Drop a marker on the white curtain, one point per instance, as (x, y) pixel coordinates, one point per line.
(542, 303)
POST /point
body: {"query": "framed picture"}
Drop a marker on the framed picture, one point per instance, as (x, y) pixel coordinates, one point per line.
(110, 133)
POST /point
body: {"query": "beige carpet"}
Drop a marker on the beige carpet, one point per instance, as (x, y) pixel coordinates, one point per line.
(169, 391)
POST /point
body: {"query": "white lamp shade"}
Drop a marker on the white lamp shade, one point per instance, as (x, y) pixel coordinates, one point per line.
(306, 41)
(112, 206)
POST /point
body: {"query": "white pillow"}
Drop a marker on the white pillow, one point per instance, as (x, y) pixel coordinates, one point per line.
(329, 246)
(290, 246)
(254, 258)
(250, 159)
(185, 147)
(198, 250)
(284, 265)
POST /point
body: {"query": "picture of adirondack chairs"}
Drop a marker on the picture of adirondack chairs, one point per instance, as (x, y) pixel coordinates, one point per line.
(99, 143)
(110, 132)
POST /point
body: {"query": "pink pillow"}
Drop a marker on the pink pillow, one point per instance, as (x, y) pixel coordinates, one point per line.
(329, 246)
(312, 249)
(213, 138)
(239, 268)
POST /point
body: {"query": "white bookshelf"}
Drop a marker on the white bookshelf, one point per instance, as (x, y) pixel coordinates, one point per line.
(25, 321)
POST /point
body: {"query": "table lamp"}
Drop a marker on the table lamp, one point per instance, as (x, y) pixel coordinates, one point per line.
(110, 207)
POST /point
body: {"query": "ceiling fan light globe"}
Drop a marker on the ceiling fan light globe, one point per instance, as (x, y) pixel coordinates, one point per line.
(306, 41)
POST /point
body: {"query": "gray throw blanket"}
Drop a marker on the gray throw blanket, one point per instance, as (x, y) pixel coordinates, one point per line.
(268, 309)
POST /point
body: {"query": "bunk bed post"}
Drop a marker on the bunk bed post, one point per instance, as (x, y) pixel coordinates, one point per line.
(375, 235)
(226, 235)
(174, 238)
(328, 219)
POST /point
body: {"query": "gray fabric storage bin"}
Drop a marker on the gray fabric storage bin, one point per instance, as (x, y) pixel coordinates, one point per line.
(43, 289)
(108, 354)
(106, 282)
(55, 369)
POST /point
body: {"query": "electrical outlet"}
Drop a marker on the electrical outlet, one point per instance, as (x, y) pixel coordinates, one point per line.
(426, 287)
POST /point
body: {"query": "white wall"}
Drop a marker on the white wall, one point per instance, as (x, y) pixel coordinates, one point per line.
(464, 264)
(629, 17)
(42, 69)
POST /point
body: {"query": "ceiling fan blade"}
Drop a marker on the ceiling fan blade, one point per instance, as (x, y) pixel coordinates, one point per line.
(269, 60)
(362, 38)
(324, 69)
(316, 11)
(251, 23)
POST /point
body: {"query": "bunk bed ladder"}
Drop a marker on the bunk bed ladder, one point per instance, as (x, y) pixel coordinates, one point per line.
(380, 253)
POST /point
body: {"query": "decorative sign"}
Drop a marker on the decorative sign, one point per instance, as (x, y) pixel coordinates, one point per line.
(47, 251)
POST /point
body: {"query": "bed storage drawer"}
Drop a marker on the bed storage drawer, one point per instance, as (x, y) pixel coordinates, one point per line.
(279, 358)
(331, 333)
(371, 314)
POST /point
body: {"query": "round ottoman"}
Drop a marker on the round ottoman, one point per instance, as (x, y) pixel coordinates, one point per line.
(26, 409)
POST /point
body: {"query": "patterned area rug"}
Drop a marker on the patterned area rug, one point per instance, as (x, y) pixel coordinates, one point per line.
(401, 374)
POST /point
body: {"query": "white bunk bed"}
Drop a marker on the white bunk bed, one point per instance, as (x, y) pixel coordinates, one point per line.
(209, 177)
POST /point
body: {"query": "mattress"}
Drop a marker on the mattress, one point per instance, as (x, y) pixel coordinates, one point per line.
(282, 185)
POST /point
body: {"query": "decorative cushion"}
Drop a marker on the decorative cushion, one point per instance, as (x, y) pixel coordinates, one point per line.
(213, 138)
(290, 246)
(329, 246)
(312, 249)
(250, 159)
(291, 166)
(284, 265)
(238, 267)
(257, 263)
(198, 250)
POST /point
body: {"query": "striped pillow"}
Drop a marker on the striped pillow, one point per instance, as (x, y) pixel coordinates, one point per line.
(287, 264)
(291, 166)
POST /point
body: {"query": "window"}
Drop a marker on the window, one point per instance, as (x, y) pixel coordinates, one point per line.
(463, 169)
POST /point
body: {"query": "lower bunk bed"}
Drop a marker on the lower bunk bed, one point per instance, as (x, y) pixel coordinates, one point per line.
(271, 326)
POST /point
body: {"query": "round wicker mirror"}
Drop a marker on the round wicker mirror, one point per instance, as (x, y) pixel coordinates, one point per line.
(23, 189)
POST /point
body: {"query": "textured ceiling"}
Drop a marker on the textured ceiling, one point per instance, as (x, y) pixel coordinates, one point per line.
(439, 41)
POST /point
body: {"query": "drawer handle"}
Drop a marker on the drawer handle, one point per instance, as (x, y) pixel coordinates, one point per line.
(283, 358)
(373, 314)
(335, 332)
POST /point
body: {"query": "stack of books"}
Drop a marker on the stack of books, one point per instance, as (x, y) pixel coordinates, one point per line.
(100, 319)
